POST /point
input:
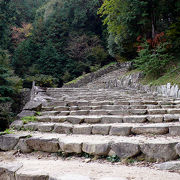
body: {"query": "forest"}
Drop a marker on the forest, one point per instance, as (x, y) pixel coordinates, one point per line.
(54, 41)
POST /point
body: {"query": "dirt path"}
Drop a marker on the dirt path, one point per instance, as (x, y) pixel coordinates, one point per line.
(37, 164)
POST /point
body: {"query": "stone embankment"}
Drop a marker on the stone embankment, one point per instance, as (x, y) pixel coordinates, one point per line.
(91, 77)
(133, 81)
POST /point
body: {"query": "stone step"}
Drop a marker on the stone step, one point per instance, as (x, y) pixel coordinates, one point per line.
(55, 168)
(157, 148)
(172, 109)
(117, 101)
(124, 129)
(106, 119)
(112, 112)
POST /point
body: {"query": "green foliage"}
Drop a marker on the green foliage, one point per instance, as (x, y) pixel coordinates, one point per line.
(127, 19)
(41, 80)
(76, 79)
(153, 62)
(26, 10)
(9, 83)
(173, 34)
(28, 119)
(94, 68)
(38, 113)
(66, 77)
(64, 43)
(171, 76)
(113, 158)
(6, 20)
(121, 18)
(6, 117)
(86, 155)
(68, 39)
(7, 131)
(99, 54)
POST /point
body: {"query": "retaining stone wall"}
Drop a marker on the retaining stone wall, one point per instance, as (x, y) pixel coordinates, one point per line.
(93, 76)
(133, 81)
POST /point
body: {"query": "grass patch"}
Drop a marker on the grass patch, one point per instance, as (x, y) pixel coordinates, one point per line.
(77, 79)
(81, 77)
(28, 119)
(7, 131)
(132, 72)
(113, 158)
(38, 113)
(172, 77)
(110, 64)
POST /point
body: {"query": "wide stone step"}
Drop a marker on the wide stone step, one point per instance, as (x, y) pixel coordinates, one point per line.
(31, 168)
(172, 109)
(113, 112)
(157, 148)
(124, 101)
(91, 119)
(124, 129)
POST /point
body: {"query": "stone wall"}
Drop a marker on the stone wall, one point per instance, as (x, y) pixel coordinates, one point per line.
(25, 95)
(133, 81)
(8, 107)
(93, 76)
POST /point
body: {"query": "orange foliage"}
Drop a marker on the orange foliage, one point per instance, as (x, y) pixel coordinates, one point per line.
(20, 34)
(159, 38)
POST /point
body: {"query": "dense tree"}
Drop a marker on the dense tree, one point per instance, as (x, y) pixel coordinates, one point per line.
(26, 10)
(9, 86)
(63, 40)
(128, 19)
(6, 20)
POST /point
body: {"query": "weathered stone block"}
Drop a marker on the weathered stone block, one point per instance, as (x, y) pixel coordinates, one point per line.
(177, 147)
(75, 120)
(92, 120)
(95, 148)
(155, 118)
(8, 141)
(110, 119)
(40, 144)
(150, 130)
(160, 151)
(7, 171)
(63, 128)
(71, 147)
(171, 165)
(23, 147)
(82, 129)
(26, 113)
(31, 126)
(45, 127)
(17, 124)
(33, 106)
(171, 117)
(120, 131)
(100, 129)
(125, 150)
(134, 119)
(174, 130)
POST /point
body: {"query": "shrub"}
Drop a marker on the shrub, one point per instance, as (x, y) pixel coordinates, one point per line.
(27, 119)
(95, 68)
(99, 54)
(153, 62)
(41, 80)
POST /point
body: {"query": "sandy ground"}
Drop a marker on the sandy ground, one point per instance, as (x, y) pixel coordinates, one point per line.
(38, 163)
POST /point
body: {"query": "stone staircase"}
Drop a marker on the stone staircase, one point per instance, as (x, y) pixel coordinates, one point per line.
(108, 80)
(122, 123)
